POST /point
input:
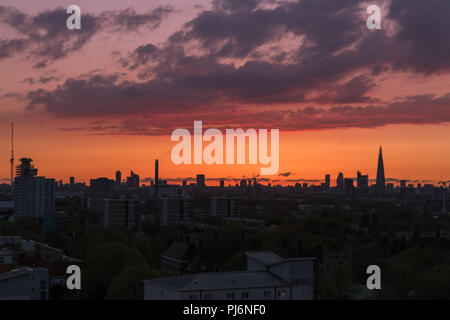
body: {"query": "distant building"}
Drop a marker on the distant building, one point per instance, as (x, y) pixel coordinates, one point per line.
(118, 178)
(222, 183)
(381, 183)
(268, 277)
(24, 283)
(225, 207)
(362, 184)
(327, 182)
(349, 189)
(100, 189)
(121, 212)
(177, 210)
(133, 181)
(201, 180)
(340, 183)
(72, 182)
(33, 196)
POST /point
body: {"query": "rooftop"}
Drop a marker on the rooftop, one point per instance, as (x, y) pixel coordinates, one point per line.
(265, 257)
(219, 280)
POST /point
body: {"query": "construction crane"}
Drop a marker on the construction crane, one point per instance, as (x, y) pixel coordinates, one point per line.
(12, 154)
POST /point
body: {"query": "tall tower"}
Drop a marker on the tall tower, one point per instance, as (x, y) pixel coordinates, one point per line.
(156, 173)
(12, 154)
(381, 182)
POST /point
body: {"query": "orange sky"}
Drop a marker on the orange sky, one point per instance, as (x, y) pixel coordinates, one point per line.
(333, 111)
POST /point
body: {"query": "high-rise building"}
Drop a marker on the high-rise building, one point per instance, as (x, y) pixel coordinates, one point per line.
(33, 196)
(72, 182)
(200, 180)
(222, 183)
(225, 207)
(349, 188)
(133, 181)
(327, 182)
(340, 182)
(118, 178)
(177, 210)
(156, 173)
(100, 189)
(121, 212)
(381, 183)
(362, 184)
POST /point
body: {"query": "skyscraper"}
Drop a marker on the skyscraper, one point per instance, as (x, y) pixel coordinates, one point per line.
(381, 183)
(118, 178)
(327, 182)
(33, 195)
(156, 174)
(340, 183)
(133, 181)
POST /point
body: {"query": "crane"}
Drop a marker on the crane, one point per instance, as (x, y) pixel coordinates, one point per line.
(12, 154)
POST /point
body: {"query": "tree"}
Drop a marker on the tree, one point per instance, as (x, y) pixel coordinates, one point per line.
(435, 284)
(129, 284)
(104, 262)
(338, 285)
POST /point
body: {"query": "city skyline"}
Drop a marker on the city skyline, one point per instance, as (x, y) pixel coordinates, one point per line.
(335, 96)
(119, 176)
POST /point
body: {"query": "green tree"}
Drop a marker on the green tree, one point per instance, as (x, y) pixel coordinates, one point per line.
(129, 284)
(104, 262)
(339, 284)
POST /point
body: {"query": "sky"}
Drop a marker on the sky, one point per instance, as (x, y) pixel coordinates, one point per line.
(88, 102)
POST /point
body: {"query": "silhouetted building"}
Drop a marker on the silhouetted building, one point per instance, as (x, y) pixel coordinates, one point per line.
(201, 180)
(362, 184)
(222, 183)
(380, 183)
(156, 173)
(133, 181)
(340, 183)
(72, 182)
(327, 182)
(118, 178)
(100, 189)
(349, 189)
(33, 196)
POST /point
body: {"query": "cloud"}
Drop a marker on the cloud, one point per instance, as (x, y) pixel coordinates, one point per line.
(46, 38)
(285, 174)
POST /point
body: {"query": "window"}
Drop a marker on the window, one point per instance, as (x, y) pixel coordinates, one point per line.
(43, 285)
(43, 295)
(244, 295)
(161, 293)
(2, 260)
(230, 295)
(267, 294)
(193, 297)
(208, 296)
(281, 293)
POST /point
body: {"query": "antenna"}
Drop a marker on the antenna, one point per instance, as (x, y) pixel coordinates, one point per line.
(12, 153)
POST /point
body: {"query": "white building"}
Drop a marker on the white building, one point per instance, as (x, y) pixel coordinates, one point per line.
(24, 284)
(177, 210)
(268, 276)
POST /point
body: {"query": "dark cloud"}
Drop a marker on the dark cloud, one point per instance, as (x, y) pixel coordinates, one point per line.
(285, 174)
(46, 38)
(328, 60)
